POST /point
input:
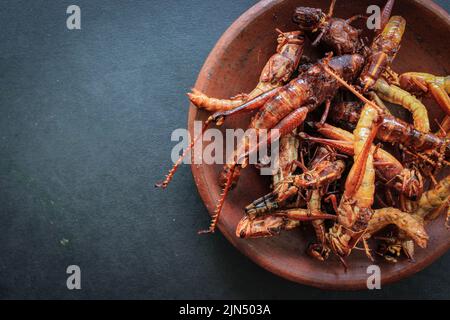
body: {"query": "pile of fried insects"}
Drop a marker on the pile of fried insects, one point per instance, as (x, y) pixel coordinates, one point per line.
(330, 165)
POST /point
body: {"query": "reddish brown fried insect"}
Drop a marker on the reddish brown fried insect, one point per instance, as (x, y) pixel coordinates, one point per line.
(277, 71)
(288, 156)
(324, 169)
(335, 33)
(289, 107)
(433, 199)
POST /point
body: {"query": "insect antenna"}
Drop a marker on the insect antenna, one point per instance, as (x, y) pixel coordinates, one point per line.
(319, 37)
(331, 9)
(220, 202)
(172, 171)
(447, 218)
(301, 165)
(344, 264)
(441, 131)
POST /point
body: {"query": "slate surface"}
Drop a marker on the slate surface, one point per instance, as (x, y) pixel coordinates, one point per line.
(85, 121)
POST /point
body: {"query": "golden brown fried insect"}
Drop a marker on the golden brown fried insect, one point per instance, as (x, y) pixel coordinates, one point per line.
(419, 83)
(394, 94)
(264, 226)
(382, 52)
(411, 225)
(274, 223)
(355, 208)
(288, 155)
(394, 130)
(407, 181)
(404, 221)
(324, 169)
(433, 199)
(320, 249)
(428, 207)
(277, 71)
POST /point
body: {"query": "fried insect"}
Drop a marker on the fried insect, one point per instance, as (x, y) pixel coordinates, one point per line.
(288, 156)
(264, 226)
(355, 208)
(277, 71)
(320, 249)
(335, 33)
(267, 203)
(346, 114)
(433, 199)
(404, 221)
(394, 94)
(419, 83)
(324, 169)
(273, 224)
(407, 181)
(411, 225)
(393, 130)
(383, 50)
(352, 89)
(281, 108)
(391, 247)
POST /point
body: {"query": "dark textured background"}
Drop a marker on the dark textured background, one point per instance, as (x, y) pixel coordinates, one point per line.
(85, 124)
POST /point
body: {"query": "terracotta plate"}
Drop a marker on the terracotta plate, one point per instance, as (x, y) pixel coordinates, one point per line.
(234, 66)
